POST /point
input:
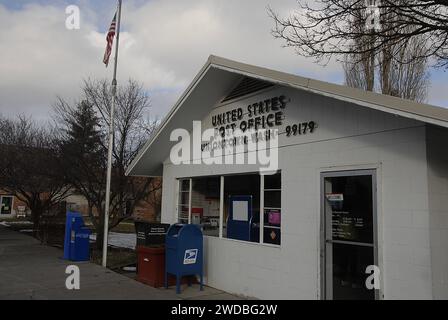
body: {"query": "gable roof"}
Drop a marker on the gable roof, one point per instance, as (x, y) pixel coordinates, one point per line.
(218, 74)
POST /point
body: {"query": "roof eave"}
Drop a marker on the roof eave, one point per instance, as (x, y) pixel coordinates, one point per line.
(338, 92)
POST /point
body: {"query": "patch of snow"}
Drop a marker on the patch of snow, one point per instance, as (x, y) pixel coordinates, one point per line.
(10, 223)
(130, 269)
(120, 240)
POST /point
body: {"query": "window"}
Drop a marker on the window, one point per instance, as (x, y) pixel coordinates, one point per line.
(205, 204)
(5, 205)
(272, 209)
(231, 206)
(242, 207)
(183, 208)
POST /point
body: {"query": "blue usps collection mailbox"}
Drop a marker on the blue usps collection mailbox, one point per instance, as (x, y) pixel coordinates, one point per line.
(184, 255)
(76, 241)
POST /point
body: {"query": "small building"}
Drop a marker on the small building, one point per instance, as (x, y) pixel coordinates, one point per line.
(354, 208)
(11, 206)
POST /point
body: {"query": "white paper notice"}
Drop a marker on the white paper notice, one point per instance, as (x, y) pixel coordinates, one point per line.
(240, 210)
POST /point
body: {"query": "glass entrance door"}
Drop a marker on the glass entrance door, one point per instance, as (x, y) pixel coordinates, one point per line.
(349, 216)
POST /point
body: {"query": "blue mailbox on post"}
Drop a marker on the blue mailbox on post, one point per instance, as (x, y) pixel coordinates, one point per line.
(184, 256)
(77, 238)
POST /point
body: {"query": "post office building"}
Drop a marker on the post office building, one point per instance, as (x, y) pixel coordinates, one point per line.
(344, 196)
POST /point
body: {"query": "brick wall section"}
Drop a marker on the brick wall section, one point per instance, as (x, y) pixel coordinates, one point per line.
(15, 204)
(146, 210)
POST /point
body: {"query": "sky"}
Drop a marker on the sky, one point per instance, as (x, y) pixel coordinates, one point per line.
(163, 44)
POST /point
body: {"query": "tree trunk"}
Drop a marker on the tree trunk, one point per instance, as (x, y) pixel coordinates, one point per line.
(99, 228)
(36, 214)
(99, 237)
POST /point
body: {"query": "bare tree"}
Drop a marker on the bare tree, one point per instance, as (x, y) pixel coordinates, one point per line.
(132, 129)
(29, 166)
(324, 29)
(402, 75)
(359, 68)
(408, 80)
(155, 198)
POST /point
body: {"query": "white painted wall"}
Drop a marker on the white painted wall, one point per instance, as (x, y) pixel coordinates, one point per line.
(438, 206)
(348, 137)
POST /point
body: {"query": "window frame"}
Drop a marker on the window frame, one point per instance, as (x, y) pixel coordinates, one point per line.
(179, 199)
(11, 211)
(263, 208)
(221, 205)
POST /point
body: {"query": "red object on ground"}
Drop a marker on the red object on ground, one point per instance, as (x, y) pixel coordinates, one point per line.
(151, 266)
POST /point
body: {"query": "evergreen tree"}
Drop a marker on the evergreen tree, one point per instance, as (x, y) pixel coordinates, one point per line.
(84, 145)
(83, 136)
(83, 152)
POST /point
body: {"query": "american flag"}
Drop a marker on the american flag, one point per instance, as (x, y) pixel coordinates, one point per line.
(110, 40)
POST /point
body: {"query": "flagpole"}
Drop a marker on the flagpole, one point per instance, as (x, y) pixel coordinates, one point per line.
(111, 141)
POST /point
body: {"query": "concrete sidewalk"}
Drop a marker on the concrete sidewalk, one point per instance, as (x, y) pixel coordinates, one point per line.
(29, 270)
